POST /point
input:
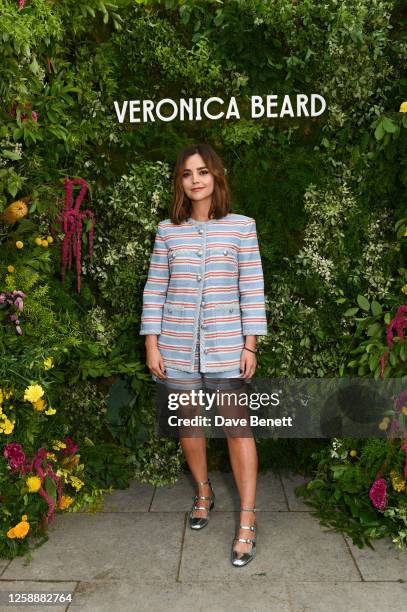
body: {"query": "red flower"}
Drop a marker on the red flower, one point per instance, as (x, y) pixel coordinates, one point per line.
(15, 455)
(378, 494)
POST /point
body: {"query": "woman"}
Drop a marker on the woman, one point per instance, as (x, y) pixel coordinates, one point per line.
(203, 306)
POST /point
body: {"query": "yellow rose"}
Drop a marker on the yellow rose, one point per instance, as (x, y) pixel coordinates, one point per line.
(33, 484)
(65, 502)
(39, 405)
(403, 107)
(10, 269)
(44, 243)
(33, 393)
(50, 239)
(48, 363)
(19, 244)
(38, 241)
(8, 427)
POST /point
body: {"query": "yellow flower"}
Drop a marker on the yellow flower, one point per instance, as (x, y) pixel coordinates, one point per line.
(10, 269)
(404, 410)
(405, 233)
(404, 289)
(44, 243)
(33, 484)
(39, 405)
(403, 107)
(58, 444)
(51, 456)
(50, 411)
(1, 396)
(33, 393)
(50, 239)
(38, 241)
(8, 393)
(76, 482)
(19, 244)
(7, 427)
(48, 363)
(20, 530)
(65, 502)
(353, 453)
(383, 425)
(397, 482)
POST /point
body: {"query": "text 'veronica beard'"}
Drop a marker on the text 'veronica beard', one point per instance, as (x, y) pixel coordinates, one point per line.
(271, 106)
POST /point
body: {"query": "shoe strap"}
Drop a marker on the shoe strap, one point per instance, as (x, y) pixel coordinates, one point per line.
(251, 527)
(202, 497)
(248, 509)
(199, 508)
(206, 482)
(245, 540)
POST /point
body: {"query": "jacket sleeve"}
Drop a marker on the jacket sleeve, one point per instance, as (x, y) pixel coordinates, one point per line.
(155, 289)
(251, 284)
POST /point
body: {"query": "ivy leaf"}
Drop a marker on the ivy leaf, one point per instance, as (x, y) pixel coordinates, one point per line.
(350, 312)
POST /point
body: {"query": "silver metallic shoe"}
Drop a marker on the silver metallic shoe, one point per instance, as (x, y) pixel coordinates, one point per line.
(196, 522)
(239, 559)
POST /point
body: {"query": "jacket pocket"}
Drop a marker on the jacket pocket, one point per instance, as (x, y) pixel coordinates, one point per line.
(228, 326)
(184, 260)
(172, 316)
(223, 258)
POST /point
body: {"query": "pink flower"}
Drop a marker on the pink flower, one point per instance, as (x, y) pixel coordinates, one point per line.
(21, 4)
(378, 494)
(71, 447)
(34, 116)
(15, 455)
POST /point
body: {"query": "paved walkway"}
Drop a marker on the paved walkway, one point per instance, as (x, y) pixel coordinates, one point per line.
(139, 555)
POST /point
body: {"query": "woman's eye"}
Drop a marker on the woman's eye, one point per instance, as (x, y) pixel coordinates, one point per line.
(204, 171)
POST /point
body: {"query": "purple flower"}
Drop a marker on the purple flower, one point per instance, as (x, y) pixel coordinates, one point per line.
(15, 455)
(378, 494)
(401, 401)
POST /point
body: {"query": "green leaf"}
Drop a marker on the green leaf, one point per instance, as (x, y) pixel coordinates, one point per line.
(363, 303)
(350, 312)
(389, 125)
(50, 487)
(379, 131)
(376, 308)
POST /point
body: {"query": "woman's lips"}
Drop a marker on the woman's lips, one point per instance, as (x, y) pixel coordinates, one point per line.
(196, 188)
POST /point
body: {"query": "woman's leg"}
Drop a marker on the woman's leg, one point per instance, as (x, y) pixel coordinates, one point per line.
(243, 459)
(194, 450)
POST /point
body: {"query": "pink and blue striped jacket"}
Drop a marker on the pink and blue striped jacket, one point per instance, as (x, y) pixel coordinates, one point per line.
(204, 275)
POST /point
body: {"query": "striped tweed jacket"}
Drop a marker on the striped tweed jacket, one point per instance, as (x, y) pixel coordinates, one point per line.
(204, 274)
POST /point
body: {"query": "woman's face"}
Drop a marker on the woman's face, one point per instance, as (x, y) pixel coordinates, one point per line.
(197, 182)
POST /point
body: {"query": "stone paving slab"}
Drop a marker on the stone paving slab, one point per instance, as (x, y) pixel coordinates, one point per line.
(3, 564)
(25, 586)
(289, 482)
(130, 596)
(137, 546)
(348, 596)
(291, 546)
(383, 563)
(270, 495)
(137, 498)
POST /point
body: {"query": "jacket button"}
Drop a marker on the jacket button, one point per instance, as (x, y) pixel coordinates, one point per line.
(203, 303)
(230, 309)
(199, 277)
(200, 230)
(203, 325)
(225, 252)
(200, 253)
(205, 351)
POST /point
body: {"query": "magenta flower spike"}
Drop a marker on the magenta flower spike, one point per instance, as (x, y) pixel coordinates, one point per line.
(72, 219)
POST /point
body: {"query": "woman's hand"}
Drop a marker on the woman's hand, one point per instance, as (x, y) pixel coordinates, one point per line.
(248, 364)
(155, 361)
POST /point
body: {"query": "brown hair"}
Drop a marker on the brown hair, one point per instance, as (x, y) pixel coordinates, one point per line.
(181, 206)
